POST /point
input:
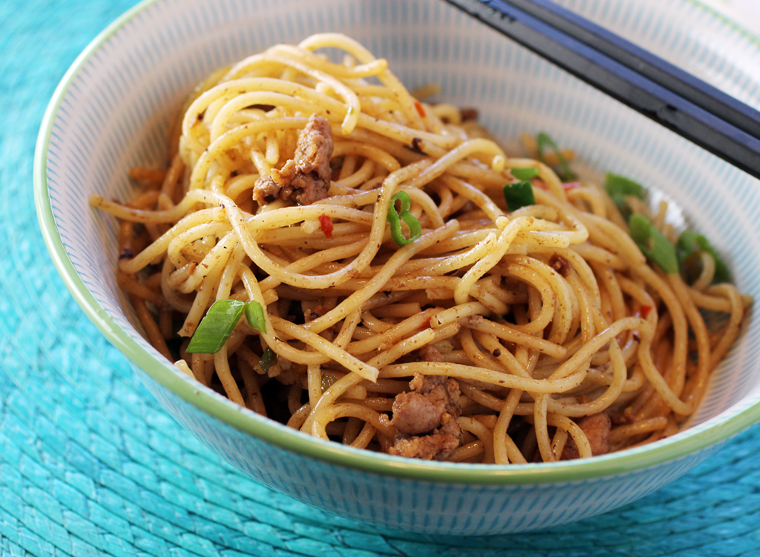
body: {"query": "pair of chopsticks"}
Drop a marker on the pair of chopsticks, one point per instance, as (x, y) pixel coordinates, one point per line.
(668, 95)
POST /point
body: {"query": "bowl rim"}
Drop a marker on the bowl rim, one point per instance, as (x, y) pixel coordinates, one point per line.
(699, 438)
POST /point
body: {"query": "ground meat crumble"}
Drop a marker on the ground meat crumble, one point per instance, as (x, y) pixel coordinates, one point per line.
(597, 429)
(426, 418)
(305, 178)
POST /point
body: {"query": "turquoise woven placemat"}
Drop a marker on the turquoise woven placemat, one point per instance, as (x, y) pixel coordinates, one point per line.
(91, 465)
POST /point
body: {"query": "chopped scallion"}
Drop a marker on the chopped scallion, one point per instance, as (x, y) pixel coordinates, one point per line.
(690, 242)
(415, 229)
(519, 194)
(525, 173)
(268, 359)
(254, 313)
(619, 187)
(543, 141)
(216, 326)
(653, 243)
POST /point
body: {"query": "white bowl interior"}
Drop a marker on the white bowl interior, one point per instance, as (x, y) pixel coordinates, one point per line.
(117, 109)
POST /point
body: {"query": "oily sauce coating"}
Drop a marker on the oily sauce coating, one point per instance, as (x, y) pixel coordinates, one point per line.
(305, 178)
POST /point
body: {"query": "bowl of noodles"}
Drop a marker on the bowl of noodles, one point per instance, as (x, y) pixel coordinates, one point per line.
(393, 265)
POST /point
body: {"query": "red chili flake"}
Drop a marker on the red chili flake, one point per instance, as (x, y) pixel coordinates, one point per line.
(420, 110)
(571, 185)
(326, 225)
(539, 184)
(645, 311)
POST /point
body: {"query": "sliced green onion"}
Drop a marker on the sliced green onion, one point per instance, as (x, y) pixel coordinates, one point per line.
(653, 243)
(519, 194)
(254, 313)
(411, 221)
(268, 359)
(619, 187)
(525, 173)
(690, 242)
(543, 140)
(216, 327)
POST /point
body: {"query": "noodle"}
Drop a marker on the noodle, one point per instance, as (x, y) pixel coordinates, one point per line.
(495, 334)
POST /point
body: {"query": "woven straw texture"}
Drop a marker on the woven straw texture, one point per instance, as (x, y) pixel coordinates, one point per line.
(90, 465)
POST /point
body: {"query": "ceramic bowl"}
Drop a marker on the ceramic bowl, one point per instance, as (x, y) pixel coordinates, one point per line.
(112, 111)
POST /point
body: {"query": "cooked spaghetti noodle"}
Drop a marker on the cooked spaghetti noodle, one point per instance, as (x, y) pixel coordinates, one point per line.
(499, 335)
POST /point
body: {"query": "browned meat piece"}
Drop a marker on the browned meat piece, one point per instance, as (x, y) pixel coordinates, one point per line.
(438, 445)
(425, 408)
(430, 354)
(474, 320)
(623, 418)
(468, 114)
(315, 147)
(560, 264)
(415, 413)
(597, 429)
(306, 178)
(432, 407)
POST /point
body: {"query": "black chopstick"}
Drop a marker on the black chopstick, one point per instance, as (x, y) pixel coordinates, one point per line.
(645, 63)
(670, 96)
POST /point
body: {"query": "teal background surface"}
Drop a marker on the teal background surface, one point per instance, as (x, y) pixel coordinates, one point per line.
(91, 465)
